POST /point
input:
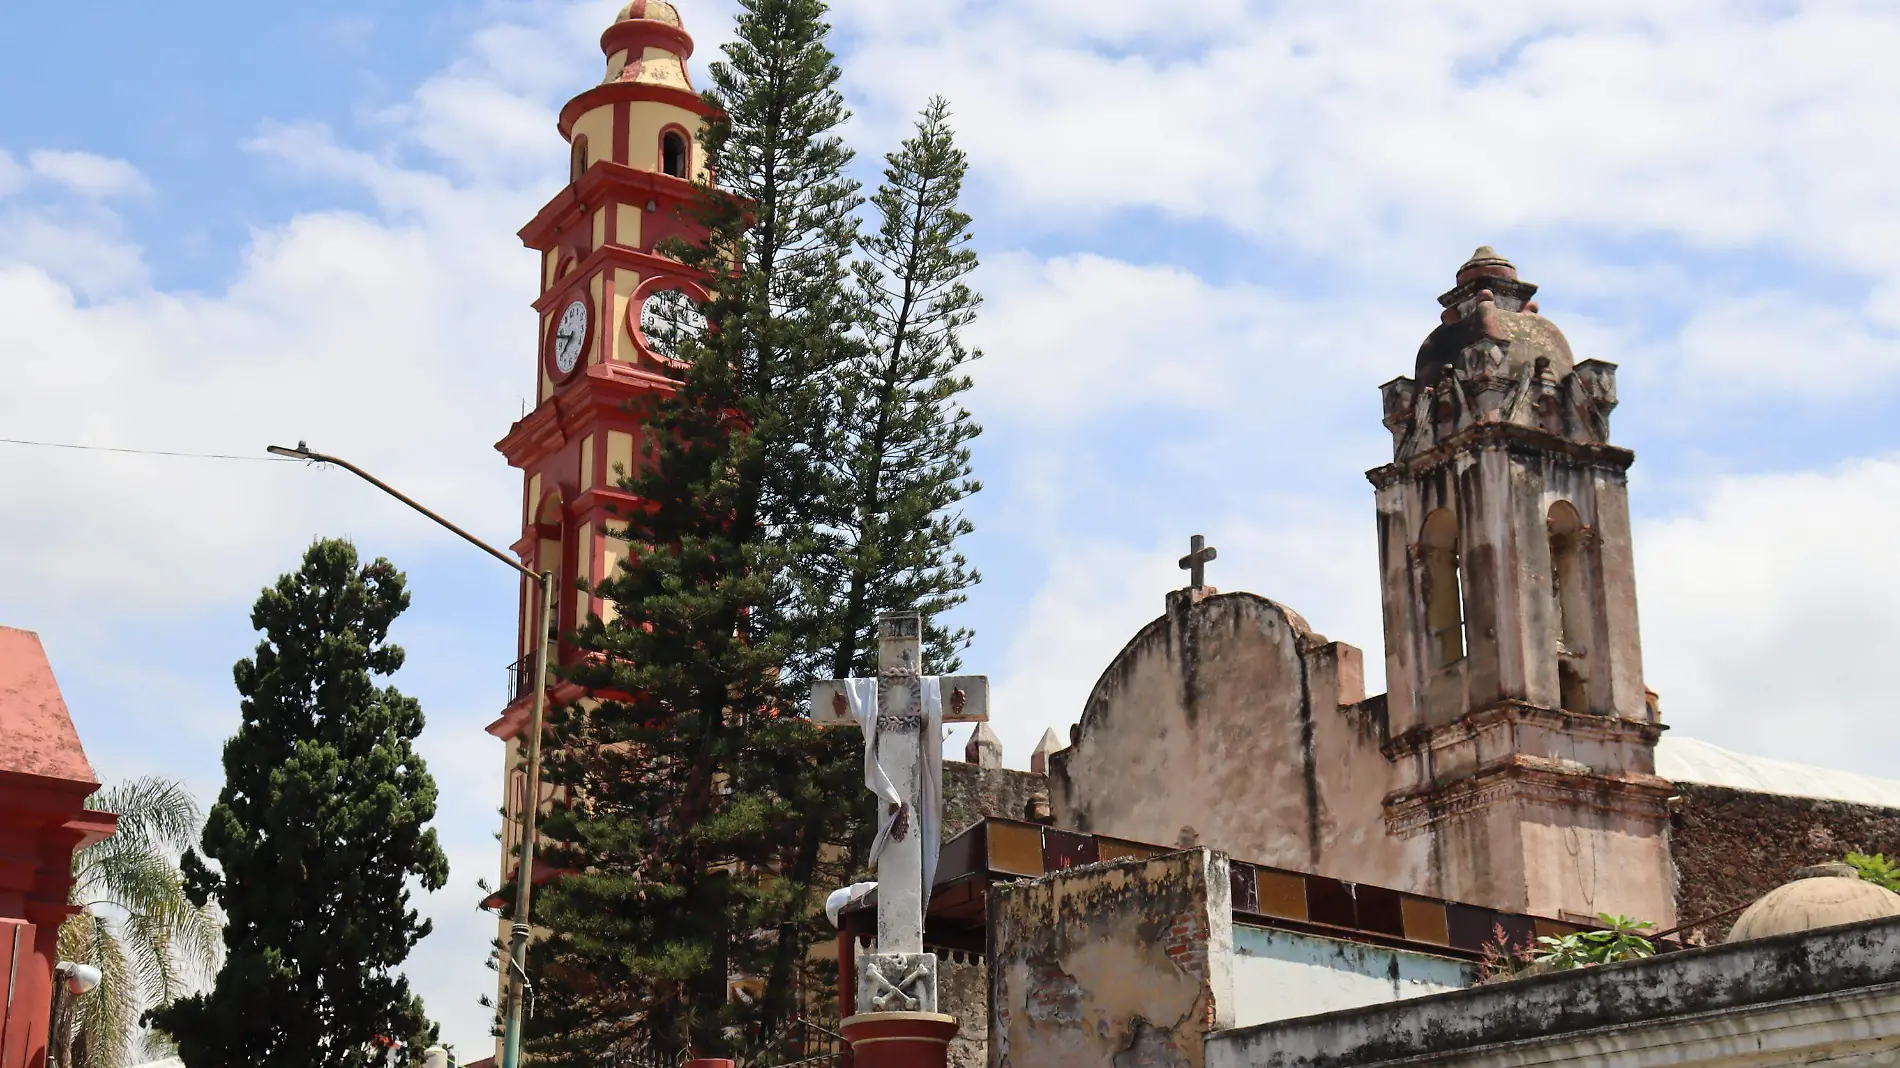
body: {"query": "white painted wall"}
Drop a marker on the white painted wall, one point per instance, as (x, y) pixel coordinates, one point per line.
(1279, 975)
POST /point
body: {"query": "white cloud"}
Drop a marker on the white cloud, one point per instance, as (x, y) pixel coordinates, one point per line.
(1780, 342)
(87, 174)
(1767, 614)
(12, 175)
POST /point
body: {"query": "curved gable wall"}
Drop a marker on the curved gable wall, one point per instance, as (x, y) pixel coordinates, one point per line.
(1228, 723)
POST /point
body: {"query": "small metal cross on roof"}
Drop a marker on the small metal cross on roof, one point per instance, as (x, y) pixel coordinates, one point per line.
(1195, 562)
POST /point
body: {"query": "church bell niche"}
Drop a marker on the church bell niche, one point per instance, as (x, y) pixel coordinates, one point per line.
(1516, 704)
(1504, 519)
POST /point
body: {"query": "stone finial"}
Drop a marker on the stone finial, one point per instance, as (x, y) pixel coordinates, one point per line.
(1039, 759)
(1486, 263)
(984, 748)
(1037, 809)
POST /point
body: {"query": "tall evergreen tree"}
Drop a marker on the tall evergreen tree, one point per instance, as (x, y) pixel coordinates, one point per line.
(906, 461)
(320, 827)
(704, 808)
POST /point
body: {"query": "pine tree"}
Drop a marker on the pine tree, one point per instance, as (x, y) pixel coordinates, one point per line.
(703, 808)
(320, 826)
(906, 464)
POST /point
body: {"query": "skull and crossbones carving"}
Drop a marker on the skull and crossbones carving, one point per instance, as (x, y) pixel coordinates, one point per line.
(913, 989)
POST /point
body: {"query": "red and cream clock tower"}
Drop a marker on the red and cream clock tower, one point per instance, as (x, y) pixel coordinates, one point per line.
(634, 154)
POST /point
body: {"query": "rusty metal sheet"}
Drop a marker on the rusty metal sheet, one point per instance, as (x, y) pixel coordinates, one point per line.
(1246, 892)
(1121, 849)
(963, 855)
(1329, 901)
(1280, 893)
(1424, 920)
(1378, 909)
(1015, 848)
(1470, 926)
(1067, 849)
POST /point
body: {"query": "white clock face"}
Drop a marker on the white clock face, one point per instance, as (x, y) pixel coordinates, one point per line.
(666, 316)
(570, 337)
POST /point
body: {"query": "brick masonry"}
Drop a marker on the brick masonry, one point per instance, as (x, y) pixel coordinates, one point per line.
(1732, 846)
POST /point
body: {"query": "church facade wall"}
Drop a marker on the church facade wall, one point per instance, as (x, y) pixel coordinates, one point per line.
(1228, 722)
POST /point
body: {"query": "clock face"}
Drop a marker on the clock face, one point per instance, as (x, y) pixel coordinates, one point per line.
(666, 317)
(570, 337)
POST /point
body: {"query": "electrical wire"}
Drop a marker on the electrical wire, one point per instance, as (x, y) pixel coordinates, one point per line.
(144, 452)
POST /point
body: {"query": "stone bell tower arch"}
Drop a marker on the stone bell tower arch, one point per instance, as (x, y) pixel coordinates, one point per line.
(1519, 725)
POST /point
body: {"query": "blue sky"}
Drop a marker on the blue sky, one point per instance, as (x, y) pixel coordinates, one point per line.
(1208, 235)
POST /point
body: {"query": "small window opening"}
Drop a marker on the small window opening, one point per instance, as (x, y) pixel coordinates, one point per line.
(577, 162)
(1570, 596)
(1444, 597)
(673, 153)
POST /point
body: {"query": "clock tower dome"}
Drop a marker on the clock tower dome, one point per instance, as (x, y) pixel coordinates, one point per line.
(633, 156)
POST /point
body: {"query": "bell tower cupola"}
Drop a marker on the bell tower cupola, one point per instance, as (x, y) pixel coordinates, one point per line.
(1513, 663)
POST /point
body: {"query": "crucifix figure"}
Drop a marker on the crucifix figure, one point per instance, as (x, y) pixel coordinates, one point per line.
(902, 713)
(1195, 562)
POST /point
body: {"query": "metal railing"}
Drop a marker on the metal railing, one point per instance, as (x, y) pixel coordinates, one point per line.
(817, 1045)
(521, 678)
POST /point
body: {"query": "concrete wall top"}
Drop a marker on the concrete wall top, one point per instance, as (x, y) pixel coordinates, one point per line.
(1832, 961)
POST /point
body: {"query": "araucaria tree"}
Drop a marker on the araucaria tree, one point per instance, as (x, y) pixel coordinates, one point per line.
(905, 464)
(706, 814)
(319, 831)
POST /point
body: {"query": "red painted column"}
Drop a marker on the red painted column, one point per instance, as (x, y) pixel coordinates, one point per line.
(44, 782)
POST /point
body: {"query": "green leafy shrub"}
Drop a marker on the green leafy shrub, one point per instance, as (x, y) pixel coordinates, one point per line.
(1876, 869)
(1620, 939)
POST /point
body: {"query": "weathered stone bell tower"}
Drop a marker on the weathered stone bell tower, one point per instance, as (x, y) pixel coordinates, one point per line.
(1519, 725)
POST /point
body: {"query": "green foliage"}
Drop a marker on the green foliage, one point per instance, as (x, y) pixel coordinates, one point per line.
(709, 815)
(1621, 938)
(319, 831)
(1875, 868)
(136, 924)
(905, 461)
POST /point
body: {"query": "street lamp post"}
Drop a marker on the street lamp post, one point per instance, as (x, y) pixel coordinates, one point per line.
(530, 805)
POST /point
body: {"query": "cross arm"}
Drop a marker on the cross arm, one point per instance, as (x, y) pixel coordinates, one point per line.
(966, 699)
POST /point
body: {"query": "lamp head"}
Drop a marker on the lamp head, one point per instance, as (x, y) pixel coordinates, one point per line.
(301, 452)
(80, 978)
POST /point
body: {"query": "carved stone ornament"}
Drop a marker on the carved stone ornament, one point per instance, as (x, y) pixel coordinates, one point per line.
(897, 982)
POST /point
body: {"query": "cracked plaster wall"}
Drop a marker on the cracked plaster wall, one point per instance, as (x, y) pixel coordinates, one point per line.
(1122, 965)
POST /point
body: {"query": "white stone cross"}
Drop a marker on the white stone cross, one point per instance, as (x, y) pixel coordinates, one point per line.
(902, 721)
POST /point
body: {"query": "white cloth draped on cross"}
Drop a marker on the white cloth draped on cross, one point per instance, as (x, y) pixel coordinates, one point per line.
(927, 818)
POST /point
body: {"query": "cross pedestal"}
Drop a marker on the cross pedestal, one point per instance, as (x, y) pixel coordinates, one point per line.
(897, 1024)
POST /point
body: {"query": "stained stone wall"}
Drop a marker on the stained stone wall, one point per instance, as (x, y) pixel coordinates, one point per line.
(971, 793)
(1732, 846)
(963, 991)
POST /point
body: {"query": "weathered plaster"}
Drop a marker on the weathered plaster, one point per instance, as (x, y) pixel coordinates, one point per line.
(1122, 965)
(1280, 975)
(1229, 722)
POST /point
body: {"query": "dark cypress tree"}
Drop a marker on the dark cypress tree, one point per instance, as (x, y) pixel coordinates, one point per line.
(906, 462)
(320, 826)
(705, 810)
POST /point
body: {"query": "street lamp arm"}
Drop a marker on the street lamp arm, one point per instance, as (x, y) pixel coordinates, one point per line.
(302, 452)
